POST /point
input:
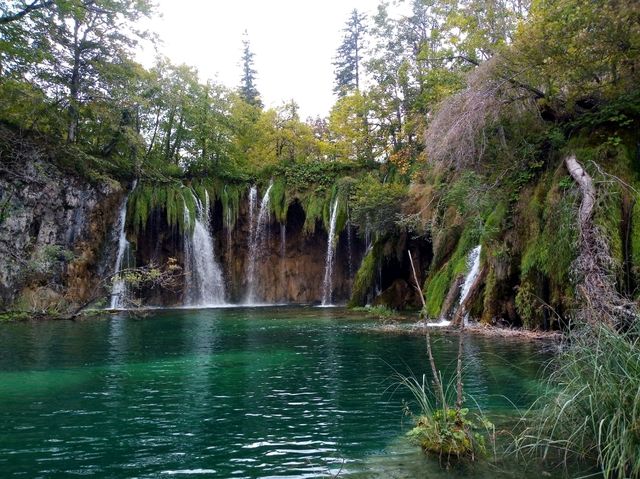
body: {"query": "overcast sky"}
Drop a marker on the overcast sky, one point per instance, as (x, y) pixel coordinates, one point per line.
(294, 42)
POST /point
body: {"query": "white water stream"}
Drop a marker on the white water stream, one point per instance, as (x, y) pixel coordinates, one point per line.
(204, 284)
(327, 284)
(120, 291)
(257, 237)
(473, 269)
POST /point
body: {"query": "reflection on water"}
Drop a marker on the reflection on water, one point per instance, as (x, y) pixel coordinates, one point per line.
(266, 392)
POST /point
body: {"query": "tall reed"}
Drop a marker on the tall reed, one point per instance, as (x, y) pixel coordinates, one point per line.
(591, 408)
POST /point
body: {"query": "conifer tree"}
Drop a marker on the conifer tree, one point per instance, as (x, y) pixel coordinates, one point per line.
(349, 56)
(248, 90)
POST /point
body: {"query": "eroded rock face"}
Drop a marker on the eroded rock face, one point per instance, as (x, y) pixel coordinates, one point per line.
(52, 229)
(297, 275)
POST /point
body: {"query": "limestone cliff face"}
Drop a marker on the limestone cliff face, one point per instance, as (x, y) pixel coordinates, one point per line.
(291, 271)
(53, 229)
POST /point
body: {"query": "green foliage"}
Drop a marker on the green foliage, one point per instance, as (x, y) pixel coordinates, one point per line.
(14, 316)
(311, 176)
(590, 409)
(581, 49)
(376, 206)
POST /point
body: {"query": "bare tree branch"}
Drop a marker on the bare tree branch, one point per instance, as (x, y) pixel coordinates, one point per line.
(25, 10)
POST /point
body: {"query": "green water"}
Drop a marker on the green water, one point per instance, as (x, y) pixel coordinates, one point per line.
(264, 392)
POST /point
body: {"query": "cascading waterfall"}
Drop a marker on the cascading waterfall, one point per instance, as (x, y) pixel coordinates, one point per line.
(327, 284)
(204, 285)
(257, 236)
(473, 263)
(473, 269)
(120, 291)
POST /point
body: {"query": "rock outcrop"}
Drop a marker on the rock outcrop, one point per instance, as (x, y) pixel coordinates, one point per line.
(53, 228)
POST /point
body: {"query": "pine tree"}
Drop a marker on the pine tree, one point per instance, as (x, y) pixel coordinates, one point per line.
(248, 89)
(349, 56)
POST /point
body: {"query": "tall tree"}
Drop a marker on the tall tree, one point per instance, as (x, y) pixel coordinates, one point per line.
(75, 50)
(349, 56)
(248, 89)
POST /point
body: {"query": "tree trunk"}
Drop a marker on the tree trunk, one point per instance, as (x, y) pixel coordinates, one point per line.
(74, 87)
(602, 303)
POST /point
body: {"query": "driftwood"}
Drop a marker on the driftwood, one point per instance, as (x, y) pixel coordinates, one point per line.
(593, 269)
(453, 296)
(415, 279)
(150, 276)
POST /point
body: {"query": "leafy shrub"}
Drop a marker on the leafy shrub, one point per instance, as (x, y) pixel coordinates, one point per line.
(376, 206)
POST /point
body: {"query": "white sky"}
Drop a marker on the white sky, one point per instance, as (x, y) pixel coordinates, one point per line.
(294, 42)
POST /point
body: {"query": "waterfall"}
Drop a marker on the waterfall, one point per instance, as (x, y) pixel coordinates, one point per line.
(257, 236)
(120, 290)
(204, 285)
(473, 265)
(367, 235)
(327, 284)
(473, 269)
(283, 254)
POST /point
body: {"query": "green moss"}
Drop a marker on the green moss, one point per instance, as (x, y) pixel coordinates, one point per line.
(528, 305)
(365, 277)
(230, 195)
(314, 209)
(279, 203)
(552, 249)
(608, 218)
(495, 222)
(172, 199)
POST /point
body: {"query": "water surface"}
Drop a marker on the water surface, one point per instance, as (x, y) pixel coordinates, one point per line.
(262, 392)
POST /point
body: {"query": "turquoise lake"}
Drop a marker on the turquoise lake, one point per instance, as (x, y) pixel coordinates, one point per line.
(236, 392)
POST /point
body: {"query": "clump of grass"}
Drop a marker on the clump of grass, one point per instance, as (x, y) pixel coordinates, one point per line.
(592, 407)
(442, 429)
